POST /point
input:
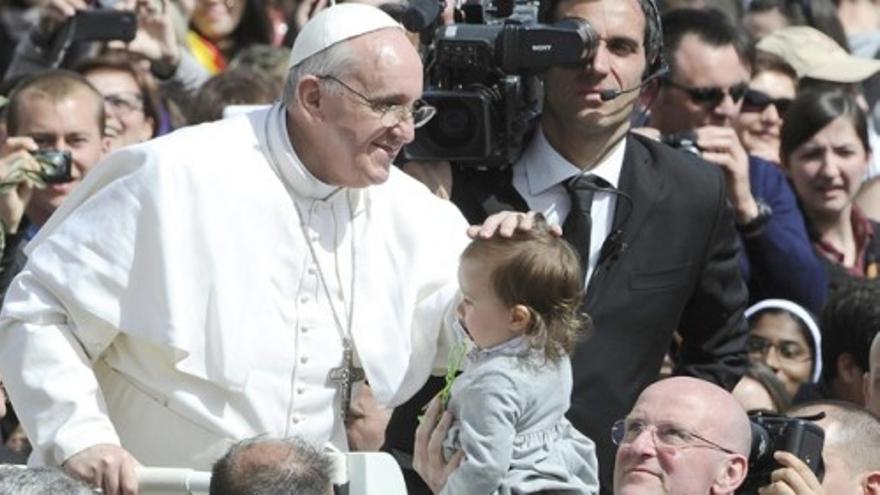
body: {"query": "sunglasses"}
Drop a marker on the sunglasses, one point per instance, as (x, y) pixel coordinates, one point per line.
(756, 101)
(711, 96)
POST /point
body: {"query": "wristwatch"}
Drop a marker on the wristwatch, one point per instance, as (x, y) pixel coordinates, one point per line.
(755, 226)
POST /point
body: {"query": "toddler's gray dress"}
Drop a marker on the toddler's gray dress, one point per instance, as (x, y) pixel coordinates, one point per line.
(510, 409)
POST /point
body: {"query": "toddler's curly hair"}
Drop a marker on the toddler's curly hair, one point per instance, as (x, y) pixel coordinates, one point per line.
(541, 271)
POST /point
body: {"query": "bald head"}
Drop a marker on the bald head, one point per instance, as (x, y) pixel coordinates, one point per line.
(714, 409)
(267, 466)
(699, 441)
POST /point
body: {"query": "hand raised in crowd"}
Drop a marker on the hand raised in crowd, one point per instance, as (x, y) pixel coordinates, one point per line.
(505, 223)
(155, 38)
(436, 175)
(108, 467)
(428, 458)
(793, 478)
(54, 13)
(17, 172)
(722, 146)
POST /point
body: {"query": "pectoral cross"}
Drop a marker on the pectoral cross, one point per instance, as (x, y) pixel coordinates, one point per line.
(344, 376)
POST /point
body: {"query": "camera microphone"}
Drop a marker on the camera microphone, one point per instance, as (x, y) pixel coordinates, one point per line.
(610, 94)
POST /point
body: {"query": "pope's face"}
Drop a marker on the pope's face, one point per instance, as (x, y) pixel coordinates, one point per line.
(360, 142)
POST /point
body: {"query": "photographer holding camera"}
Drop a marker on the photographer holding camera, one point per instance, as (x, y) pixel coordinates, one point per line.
(695, 109)
(56, 115)
(851, 455)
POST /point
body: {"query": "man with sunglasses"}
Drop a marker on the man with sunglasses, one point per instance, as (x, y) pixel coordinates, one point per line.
(683, 436)
(695, 108)
(242, 277)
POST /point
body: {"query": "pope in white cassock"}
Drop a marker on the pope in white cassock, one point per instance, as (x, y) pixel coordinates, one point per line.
(222, 281)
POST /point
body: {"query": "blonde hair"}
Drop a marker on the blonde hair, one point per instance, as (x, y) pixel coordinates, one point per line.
(541, 271)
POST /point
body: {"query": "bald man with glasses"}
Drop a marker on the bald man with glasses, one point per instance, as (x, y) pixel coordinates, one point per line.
(695, 107)
(683, 436)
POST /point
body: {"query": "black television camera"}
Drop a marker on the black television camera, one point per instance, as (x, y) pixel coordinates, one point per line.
(55, 166)
(799, 436)
(481, 75)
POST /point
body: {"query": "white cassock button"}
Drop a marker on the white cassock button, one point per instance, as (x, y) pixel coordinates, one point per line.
(311, 270)
(305, 329)
(304, 299)
(304, 359)
(300, 390)
(294, 419)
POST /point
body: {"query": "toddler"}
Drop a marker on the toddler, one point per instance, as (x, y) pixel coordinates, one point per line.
(520, 300)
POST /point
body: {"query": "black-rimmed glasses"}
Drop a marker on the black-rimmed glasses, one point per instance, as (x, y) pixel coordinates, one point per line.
(711, 96)
(757, 101)
(789, 350)
(391, 115)
(666, 436)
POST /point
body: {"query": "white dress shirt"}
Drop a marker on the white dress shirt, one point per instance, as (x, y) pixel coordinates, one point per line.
(540, 175)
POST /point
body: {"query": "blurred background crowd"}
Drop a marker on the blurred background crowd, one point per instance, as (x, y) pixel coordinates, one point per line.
(792, 87)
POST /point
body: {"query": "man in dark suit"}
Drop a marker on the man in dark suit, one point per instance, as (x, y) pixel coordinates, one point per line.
(661, 254)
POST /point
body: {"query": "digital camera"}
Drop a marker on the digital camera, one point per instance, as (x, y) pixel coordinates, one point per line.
(55, 166)
(799, 436)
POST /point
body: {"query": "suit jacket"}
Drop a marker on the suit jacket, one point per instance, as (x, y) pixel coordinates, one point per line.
(670, 263)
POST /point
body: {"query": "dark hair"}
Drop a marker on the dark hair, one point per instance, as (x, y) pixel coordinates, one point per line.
(710, 26)
(762, 374)
(801, 324)
(653, 28)
(231, 87)
(126, 61)
(811, 111)
(57, 85)
(818, 14)
(850, 320)
(541, 271)
(268, 466)
(254, 27)
(762, 61)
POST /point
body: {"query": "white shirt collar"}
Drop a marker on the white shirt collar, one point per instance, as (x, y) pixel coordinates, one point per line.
(290, 166)
(545, 167)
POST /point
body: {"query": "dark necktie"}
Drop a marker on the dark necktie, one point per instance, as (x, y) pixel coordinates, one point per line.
(578, 223)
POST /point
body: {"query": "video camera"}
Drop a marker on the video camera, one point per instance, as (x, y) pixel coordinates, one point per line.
(770, 432)
(481, 75)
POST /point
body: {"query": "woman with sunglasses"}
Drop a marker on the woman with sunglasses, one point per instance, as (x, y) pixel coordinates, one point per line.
(825, 149)
(785, 337)
(772, 88)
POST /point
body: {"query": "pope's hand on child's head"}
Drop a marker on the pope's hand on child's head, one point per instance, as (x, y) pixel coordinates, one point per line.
(428, 458)
(505, 223)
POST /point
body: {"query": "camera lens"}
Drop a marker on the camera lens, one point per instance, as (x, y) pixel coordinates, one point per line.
(453, 126)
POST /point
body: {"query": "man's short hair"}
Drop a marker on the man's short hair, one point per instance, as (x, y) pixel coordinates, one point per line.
(849, 322)
(851, 431)
(15, 480)
(653, 30)
(269, 466)
(56, 85)
(710, 26)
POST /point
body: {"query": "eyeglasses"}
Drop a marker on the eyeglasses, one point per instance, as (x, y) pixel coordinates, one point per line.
(667, 436)
(392, 115)
(124, 103)
(787, 349)
(711, 96)
(756, 101)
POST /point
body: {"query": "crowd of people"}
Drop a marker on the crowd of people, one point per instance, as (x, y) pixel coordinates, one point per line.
(215, 254)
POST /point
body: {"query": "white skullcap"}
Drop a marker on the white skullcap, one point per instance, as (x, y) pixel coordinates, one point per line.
(335, 24)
